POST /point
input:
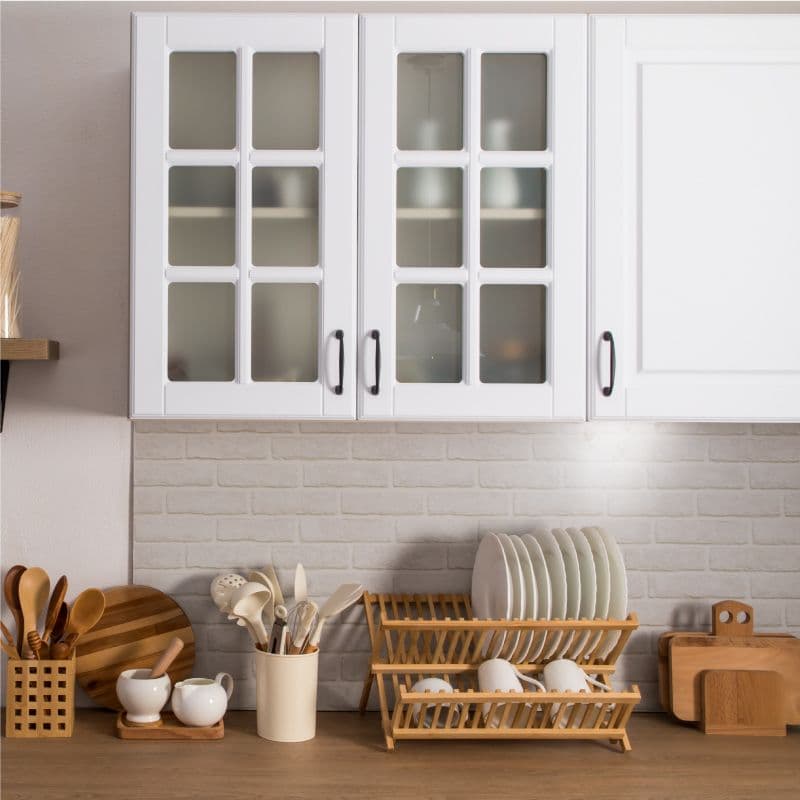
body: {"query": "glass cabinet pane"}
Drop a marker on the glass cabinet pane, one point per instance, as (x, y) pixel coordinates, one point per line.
(513, 217)
(285, 216)
(286, 101)
(429, 333)
(429, 217)
(514, 101)
(285, 331)
(513, 333)
(430, 101)
(202, 216)
(201, 337)
(202, 101)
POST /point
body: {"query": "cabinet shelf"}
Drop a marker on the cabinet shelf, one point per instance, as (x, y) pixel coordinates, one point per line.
(457, 213)
(227, 212)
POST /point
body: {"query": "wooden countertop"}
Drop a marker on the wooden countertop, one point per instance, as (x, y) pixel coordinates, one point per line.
(347, 760)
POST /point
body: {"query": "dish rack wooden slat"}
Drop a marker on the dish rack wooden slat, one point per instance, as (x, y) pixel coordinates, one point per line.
(423, 636)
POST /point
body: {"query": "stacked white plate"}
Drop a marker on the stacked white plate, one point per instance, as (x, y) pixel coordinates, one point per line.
(558, 574)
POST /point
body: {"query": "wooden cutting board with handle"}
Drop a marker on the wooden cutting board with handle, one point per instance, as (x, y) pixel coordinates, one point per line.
(137, 625)
(731, 646)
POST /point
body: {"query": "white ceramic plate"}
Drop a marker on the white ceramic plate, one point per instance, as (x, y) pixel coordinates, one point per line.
(531, 599)
(588, 585)
(517, 588)
(491, 582)
(618, 600)
(542, 589)
(554, 562)
(573, 579)
(603, 575)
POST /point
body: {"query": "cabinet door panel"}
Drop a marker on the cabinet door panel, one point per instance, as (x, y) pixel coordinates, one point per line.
(470, 207)
(696, 243)
(244, 215)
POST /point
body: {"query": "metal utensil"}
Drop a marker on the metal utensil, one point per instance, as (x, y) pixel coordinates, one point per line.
(344, 597)
(302, 619)
(11, 594)
(300, 584)
(33, 589)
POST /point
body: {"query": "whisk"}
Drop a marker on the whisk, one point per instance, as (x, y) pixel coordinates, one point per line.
(300, 623)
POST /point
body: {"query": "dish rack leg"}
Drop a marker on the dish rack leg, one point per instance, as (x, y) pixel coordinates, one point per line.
(625, 743)
(362, 706)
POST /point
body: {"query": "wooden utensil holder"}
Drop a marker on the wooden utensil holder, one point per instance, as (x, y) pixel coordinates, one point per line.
(423, 636)
(40, 698)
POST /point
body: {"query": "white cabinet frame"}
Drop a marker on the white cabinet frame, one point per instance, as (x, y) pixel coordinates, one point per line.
(563, 40)
(703, 329)
(334, 36)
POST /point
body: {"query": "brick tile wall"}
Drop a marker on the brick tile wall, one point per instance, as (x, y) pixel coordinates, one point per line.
(702, 511)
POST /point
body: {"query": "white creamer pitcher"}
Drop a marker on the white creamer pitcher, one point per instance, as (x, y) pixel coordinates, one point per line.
(200, 702)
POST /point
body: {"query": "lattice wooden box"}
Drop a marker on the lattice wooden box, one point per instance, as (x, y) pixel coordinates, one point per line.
(40, 698)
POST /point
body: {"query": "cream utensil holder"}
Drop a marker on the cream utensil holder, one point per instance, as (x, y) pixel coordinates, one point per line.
(286, 696)
(10, 301)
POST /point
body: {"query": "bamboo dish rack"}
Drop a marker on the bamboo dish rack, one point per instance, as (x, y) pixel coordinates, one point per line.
(424, 636)
(40, 698)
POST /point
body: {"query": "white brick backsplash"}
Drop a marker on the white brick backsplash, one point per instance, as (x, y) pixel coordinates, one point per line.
(174, 473)
(732, 504)
(776, 531)
(775, 476)
(227, 445)
(433, 474)
(702, 512)
(489, 446)
(173, 528)
(698, 476)
(382, 501)
(250, 473)
(207, 501)
(298, 501)
(346, 529)
(350, 474)
(541, 475)
(260, 529)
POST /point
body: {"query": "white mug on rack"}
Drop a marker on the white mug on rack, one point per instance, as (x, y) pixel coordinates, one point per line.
(435, 685)
(499, 675)
(564, 675)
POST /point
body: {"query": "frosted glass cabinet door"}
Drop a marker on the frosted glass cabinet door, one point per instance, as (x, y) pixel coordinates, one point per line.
(244, 216)
(473, 216)
(696, 208)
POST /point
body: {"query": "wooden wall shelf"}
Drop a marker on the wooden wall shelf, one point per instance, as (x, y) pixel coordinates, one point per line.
(22, 350)
(28, 350)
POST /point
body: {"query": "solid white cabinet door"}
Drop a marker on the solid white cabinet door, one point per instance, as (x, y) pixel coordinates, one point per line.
(244, 256)
(472, 218)
(695, 217)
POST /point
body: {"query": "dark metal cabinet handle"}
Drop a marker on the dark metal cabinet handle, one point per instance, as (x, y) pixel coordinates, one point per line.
(376, 335)
(609, 337)
(339, 388)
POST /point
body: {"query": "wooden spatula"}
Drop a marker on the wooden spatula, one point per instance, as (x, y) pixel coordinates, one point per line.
(11, 594)
(56, 599)
(34, 589)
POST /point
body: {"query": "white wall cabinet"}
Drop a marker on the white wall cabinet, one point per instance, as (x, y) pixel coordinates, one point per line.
(695, 217)
(472, 280)
(385, 218)
(244, 216)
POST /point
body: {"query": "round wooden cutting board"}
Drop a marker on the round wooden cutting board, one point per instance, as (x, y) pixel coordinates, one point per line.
(137, 625)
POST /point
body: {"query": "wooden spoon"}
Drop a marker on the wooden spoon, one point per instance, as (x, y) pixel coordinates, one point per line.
(83, 616)
(34, 589)
(167, 657)
(56, 599)
(61, 623)
(11, 593)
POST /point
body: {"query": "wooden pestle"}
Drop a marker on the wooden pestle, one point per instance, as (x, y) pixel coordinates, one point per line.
(167, 657)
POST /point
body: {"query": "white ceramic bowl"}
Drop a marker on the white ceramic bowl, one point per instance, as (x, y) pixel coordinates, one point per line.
(434, 685)
(141, 696)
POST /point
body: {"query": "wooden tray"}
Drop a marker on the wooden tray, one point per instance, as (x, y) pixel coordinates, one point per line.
(170, 729)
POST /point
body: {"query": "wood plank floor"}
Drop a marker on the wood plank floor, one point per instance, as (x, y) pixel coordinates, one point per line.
(347, 760)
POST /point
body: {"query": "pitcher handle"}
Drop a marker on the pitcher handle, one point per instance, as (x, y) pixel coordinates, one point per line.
(533, 681)
(220, 679)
